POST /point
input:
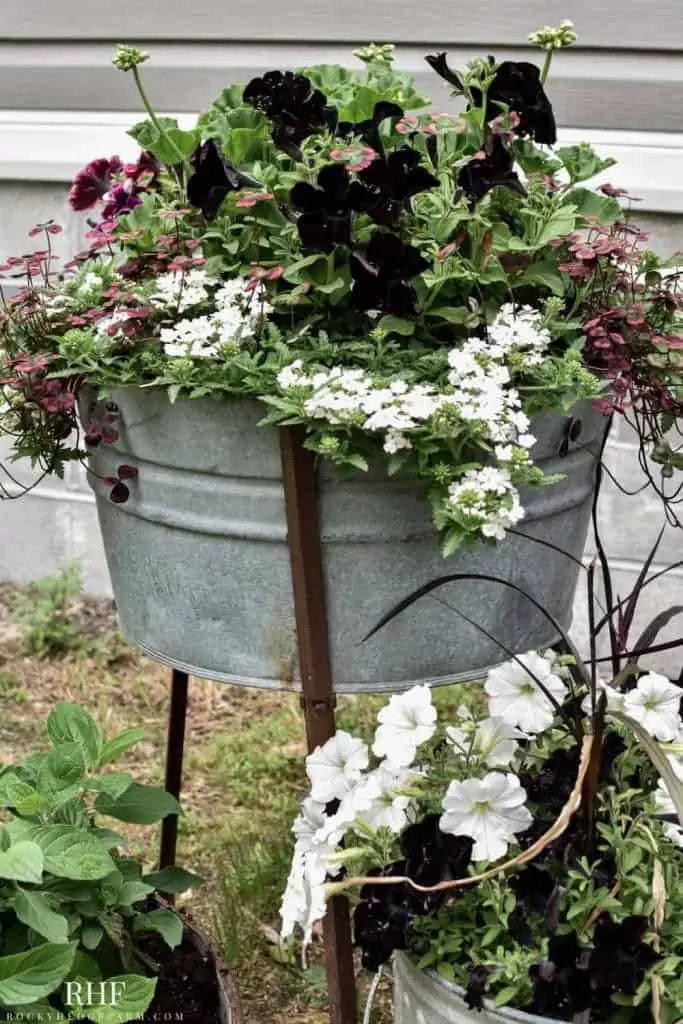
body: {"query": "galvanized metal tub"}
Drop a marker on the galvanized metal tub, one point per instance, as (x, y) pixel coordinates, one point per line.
(422, 997)
(200, 566)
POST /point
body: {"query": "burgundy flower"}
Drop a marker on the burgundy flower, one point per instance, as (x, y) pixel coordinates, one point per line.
(93, 182)
(117, 201)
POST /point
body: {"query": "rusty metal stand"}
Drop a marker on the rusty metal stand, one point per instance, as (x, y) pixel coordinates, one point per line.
(175, 747)
(318, 700)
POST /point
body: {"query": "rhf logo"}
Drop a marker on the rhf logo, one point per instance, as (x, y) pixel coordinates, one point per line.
(94, 993)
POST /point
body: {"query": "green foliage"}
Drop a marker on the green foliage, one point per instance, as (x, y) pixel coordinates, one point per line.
(65, 889)
(43, 611)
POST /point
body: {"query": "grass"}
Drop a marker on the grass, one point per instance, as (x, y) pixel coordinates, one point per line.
(243, 779)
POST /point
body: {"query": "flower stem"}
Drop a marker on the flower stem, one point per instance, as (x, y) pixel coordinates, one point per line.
(546, 65)
(182, 159)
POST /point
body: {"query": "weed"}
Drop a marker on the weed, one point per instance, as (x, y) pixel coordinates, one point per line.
(42, 608)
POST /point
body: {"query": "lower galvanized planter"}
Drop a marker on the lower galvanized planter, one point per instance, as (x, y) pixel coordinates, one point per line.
(200, 566)
(422, 997)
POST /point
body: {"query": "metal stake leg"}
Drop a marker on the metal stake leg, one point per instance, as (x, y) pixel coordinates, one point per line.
(174, 763)
(318, 699)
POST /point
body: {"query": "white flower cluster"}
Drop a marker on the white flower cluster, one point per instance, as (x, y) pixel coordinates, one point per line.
(478, 393)
(488, 500)
(234, 318)
(180, 290)
(378, 798)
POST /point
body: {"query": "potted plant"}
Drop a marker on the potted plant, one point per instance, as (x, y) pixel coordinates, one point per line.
(520, 858)
(436, 300)
(85, 933)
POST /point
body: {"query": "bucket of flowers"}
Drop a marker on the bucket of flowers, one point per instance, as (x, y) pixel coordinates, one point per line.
(516, 856)
(435, 300)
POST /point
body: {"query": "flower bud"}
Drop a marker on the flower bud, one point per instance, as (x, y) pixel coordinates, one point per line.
(126, 58)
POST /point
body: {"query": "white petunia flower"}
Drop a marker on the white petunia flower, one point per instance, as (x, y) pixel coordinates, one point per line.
(493, 740)
(655, 704)
(336, 766)
(515, 696)
(303, 902)
(407, 721)
(490, 810)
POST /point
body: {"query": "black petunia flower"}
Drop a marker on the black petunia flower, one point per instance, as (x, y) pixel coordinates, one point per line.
(380, 275)
(438, 63)
(213, 178)
(620, 957)
(382, 919)
(518, 84)
(325, 219)
(476, 986)
(296, 109)
(433, 856)
(385, 187)
(492, 167)
(368, 130)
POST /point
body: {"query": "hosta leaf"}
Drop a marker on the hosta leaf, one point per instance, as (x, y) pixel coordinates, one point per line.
(23, 862)
(139, 805)
(114, 748)
(71, 853)
(69, 723)
(35, 911)
(34, 974)
(173, 880)
(165, 922)
(133, 996)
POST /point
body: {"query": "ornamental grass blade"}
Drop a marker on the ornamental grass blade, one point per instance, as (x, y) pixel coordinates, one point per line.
(653, 629)
(633, 598)
(659, 759)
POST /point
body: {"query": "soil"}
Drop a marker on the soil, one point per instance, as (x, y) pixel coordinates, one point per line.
(187, 990)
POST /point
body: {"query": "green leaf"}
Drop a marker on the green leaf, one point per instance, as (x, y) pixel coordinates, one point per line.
(603, 209)
(545, 273)
(23, 862)
(36, 912)
(173, 880)
(147, 135)
(27, 977)
(659, 758)
(15, 792)
(71, 853)
(139, 805)
(134, 992)
(65, 766)
(452, 314)
(582, 162)
(114, 784)
(396, 325)
(115, 747)
(91, 935)
(561, 222)
(70, 723)
(133, 891)
(294, 270)
(165, 922)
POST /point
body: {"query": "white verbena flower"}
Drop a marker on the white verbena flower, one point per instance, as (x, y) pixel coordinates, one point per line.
(515, 696)
(490, 810)
(336, 766)
(407, 721)
(655, 704)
